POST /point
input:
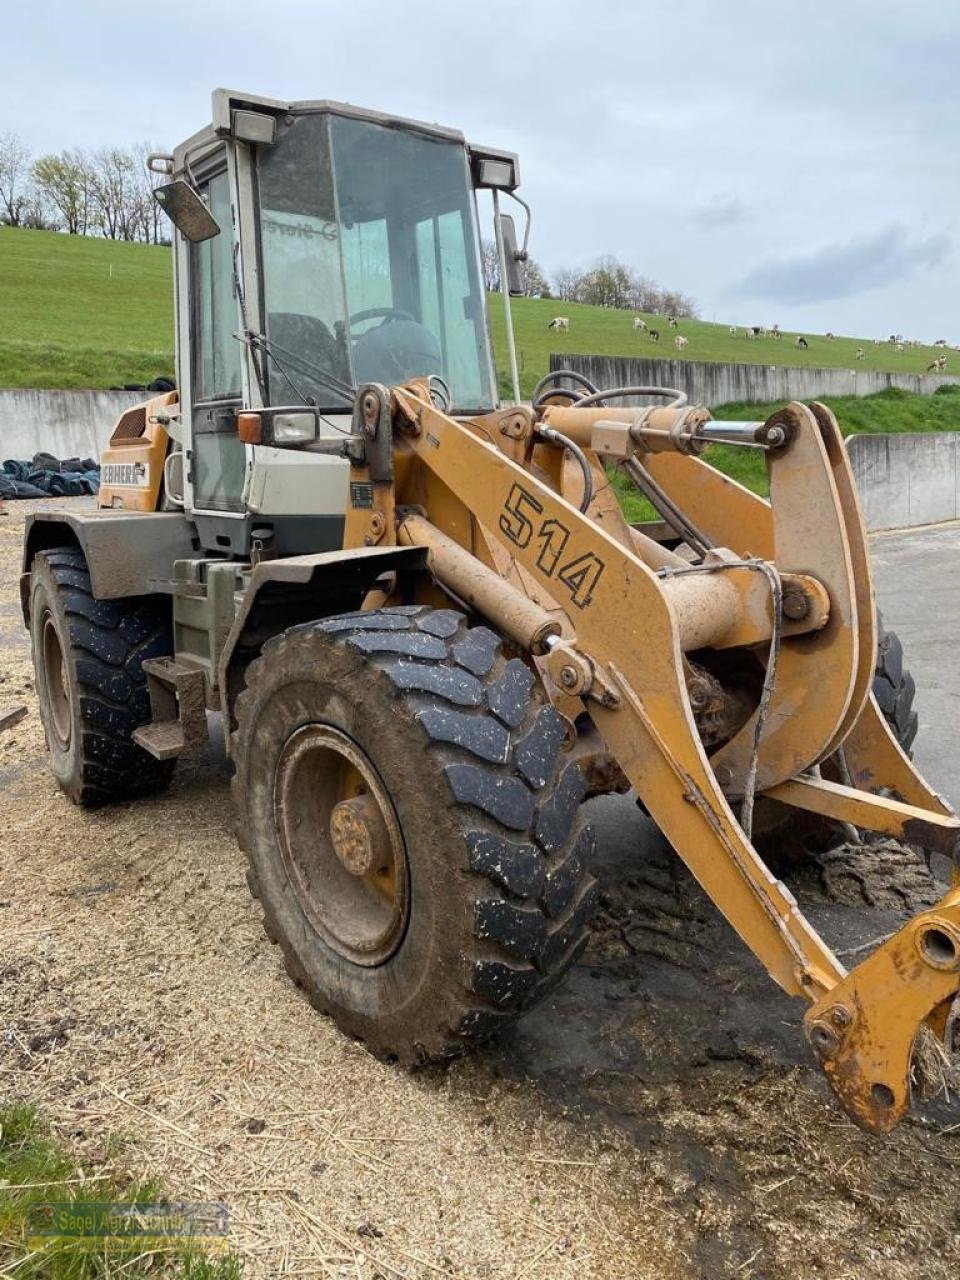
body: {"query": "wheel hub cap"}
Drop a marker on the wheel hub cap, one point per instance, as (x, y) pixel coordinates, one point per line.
(341, 844)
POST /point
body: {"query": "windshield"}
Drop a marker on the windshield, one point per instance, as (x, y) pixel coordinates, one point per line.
(370, 270)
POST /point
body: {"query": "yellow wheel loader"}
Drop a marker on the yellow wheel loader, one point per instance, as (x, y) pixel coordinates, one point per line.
(431, 633)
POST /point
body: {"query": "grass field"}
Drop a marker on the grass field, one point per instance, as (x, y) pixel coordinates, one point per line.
(602, 331)
(81, 312)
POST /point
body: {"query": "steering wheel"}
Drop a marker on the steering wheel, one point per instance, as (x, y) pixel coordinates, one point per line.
(374, 313)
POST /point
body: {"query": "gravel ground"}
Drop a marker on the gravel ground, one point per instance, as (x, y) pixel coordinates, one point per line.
(659, 1117)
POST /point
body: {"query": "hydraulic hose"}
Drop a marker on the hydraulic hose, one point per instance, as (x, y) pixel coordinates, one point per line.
(556, 437)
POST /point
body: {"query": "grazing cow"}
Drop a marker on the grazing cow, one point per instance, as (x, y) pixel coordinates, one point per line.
(876, 342)
(802, 343)
(749, 334)
(680, 342)
(899, 348)
(775, 333)
(938, 365)
(639, 326)
(860, 353)
(758, 330)
(940, 342)
(559, 322)
(654, 335)
(830, 337)
(733, 331)
(673, 322)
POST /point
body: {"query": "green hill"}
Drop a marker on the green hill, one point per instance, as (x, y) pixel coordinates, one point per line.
(603, 331)
(80, 312)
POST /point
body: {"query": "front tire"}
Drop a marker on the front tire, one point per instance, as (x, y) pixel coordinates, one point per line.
(87, 655)
(413, 826)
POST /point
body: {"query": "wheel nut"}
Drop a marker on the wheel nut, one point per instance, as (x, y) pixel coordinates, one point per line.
(795, 606)
(359, 835)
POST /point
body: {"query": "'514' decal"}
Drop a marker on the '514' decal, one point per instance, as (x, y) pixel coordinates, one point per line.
(520, 523)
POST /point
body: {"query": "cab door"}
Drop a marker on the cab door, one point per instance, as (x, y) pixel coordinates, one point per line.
(218, 462)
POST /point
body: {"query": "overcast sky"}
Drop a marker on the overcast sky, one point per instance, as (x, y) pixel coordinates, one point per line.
(783, 161)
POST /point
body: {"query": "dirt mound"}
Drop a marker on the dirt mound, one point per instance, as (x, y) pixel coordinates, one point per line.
(878, 873)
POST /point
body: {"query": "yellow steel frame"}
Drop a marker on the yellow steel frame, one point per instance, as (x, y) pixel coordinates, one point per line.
(492, 489)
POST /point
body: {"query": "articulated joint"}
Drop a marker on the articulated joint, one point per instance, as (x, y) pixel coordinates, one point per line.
(576, 674)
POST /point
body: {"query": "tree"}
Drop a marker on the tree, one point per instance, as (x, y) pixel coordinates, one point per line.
(115, 196)
(14, 173)
(64, 182)
(153, 221)
(611, 283)
(567, 284)
(490, 266)
(534, 279)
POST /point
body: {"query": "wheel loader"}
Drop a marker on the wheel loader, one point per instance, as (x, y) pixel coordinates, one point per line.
(430, 632)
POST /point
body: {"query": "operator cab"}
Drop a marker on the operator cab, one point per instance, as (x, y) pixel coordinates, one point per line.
(318, 247)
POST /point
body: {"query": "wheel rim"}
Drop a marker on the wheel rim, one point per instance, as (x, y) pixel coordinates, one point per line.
(341, 844)
(56, 681)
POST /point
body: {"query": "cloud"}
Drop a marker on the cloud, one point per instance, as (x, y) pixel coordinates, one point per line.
(844, 270)
(719, 213)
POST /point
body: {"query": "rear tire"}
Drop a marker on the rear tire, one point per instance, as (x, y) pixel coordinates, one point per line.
(895, 689)
(786, 836)
(87, 655)
(478, 899)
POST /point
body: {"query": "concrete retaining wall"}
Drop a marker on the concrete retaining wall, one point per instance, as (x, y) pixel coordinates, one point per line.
(714, 384)
(68, 424)
(907, 479)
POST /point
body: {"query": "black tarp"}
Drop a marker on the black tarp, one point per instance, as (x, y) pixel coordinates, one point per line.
(48, 477)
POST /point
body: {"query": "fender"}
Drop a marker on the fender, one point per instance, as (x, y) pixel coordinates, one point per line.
(125, 550)
(295, 589)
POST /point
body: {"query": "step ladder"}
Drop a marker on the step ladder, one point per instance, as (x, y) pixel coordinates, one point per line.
(178, 706)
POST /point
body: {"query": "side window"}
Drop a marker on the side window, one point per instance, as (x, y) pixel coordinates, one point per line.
(219, 456)
(217, 353)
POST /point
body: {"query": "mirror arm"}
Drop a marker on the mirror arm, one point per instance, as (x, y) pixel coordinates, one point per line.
(505, 292)
(522, 254)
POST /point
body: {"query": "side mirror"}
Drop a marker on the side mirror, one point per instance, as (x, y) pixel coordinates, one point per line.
(511, 256)
(186, 210)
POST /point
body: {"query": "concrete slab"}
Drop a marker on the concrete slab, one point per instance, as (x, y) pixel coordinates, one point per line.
(908, 479)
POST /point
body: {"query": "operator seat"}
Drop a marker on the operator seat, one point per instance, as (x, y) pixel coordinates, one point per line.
(310, 339)
(395, 351)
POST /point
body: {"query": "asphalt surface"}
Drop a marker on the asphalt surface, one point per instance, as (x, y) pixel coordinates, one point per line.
(917, 581)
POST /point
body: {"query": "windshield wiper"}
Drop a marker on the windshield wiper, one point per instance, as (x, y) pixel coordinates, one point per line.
(291, 360)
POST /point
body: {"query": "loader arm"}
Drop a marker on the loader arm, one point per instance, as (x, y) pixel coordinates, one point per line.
(622, 651)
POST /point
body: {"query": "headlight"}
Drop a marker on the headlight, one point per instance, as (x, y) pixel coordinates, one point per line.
(294, 428)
